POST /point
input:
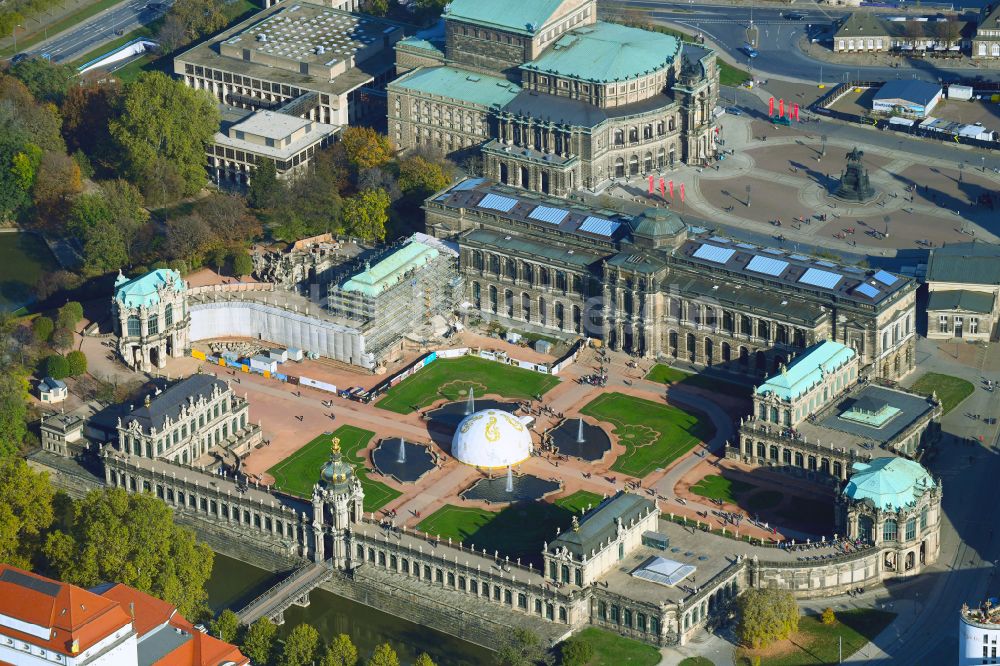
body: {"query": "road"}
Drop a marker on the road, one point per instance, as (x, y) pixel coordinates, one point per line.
(79, 40)
(778, 37)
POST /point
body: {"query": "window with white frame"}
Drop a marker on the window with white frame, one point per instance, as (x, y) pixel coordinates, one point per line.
(943, 324)
(973, 324)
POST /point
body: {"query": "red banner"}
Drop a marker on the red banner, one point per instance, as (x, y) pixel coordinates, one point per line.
(650, 186)
(682, 192)
(795, 112)
(671, 189)
(770, 107)
(781, 108)
(663, 189)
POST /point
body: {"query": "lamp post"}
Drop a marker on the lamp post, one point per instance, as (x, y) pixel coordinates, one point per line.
(14, 32)
(748, 196)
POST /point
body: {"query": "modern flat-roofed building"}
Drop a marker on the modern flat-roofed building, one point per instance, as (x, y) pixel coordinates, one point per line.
(911, 98)
(247, 137)
(552, 99)
(304, 59)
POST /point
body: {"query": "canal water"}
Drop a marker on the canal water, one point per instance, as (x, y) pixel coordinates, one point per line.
(235, 583)
(24, 259)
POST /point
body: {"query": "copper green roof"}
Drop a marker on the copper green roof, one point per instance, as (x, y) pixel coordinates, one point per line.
(961, 300)
(522, 16)
(143, 291)
(605, 52)
(807, 370)
(459, 84)
(890, 483)
(389, 271)
(969, 263)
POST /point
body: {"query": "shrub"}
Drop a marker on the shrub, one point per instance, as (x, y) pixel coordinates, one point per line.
(77, 363)
(42, 328)
(70, 315)
(56, 366)
(242, 264)
(828, 616)
(62, 338)
(576, 652)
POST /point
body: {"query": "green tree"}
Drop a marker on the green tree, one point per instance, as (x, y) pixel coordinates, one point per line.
(576, 652)
(163, 118)
(104, 244)
(424, 659)
(62, 338)
(228, 218)
(69, 315)
(766, 615)
(242, 264)
(13, 409)
(366, 213)
(25, 511)
(56, 366)
(259, 641)
(85, 116)
(124, 208)
(384, 655)
(265, 190)
(340, 652)
(521, 647)
(57, 181)
(77, 362)
(421, 176)
(42, 328)
(132, 539)
(375, 7)
(189, 238)
(300, 646)
(365, 147)
(199, 17)
(226, 626)
(46, 80)
(828, 617)
(430, 7)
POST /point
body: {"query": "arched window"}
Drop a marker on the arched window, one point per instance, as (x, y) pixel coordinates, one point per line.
(153, 325)
(889, 530)
(134, 327)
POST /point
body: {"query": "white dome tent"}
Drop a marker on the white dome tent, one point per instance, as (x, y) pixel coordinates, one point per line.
(491, 438)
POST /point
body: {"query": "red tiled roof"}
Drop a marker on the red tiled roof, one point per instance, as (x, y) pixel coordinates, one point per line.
(71, 614)
(150, 612)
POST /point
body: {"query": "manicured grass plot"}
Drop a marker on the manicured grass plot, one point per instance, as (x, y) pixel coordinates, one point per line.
(297, 473)
(664, 374)
(653, 434)
(452, 378)
(517, 531)
(818, 643)
(717, 487)
(579, 501)
(950, 390)
(614, 650)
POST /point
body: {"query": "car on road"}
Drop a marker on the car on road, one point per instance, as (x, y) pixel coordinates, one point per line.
(734, 111)
(793, 16)
(750, 51)
(19, 57)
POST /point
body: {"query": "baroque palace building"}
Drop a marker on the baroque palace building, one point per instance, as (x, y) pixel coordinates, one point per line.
(552, 98)
(651, 284)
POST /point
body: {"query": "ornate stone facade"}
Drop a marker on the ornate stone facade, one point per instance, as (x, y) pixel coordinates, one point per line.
(150, 318)
(543, 116)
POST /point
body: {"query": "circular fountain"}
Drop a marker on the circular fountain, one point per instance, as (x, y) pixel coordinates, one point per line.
(449, 415)
(404, 461)
(575, 437)
(510, 488)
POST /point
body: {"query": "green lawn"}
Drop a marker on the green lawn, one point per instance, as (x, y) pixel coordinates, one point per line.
(517, 531)
(730, 75)
(664, 374)
(451, 378)
(951, 391)
(579, 500)
(764, 500)
(610, 649)
(817, 643)
(297, 473)
(717, 487)
(653, 434)
(696, 661)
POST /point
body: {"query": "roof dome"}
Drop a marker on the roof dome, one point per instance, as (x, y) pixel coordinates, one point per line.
(336, 473)
(491, 438)
(890, 483)
(658, 222)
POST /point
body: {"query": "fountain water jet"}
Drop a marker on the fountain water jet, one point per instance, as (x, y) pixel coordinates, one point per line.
(401, 458)
(470, 406)
(510, 480)
(579, 431)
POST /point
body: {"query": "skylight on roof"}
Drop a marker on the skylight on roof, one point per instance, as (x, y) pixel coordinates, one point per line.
(867, 290)
(599, 226)
(719, 255)
(772, 250)
(719, 239)
(823, 279)
(497, 202)
(548, 214)
(828, 264)
(767, 266)
(888, 279)
(799, 257)
(746, 246)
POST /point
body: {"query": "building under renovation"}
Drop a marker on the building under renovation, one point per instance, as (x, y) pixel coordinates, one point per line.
(405, 287)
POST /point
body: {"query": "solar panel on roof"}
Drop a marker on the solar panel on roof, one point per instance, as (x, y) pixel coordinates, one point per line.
(772, 250)
(719, 239)
(497, 202)
(828, 264)
(823, 279)
(767, 266)
(888, 279)
(547, 214)
(719, 255)
(599, 226)
(868, 290)
(46, 587)
(468, 184)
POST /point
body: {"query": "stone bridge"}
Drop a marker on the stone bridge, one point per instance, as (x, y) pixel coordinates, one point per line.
(293, 590)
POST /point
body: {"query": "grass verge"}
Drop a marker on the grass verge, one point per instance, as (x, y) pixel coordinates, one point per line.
(451, 378)
(613, 650)
(64, 23)
(297, 473)
(653, 434)
(951, 391)
(664, 374)
(818, 643)
(717, 487)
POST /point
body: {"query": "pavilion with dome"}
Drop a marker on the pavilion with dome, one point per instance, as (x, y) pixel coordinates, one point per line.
(491, 439)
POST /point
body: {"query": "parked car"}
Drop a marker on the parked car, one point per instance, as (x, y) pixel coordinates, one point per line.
(750, 51)
(793, 16)
(734, 111)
